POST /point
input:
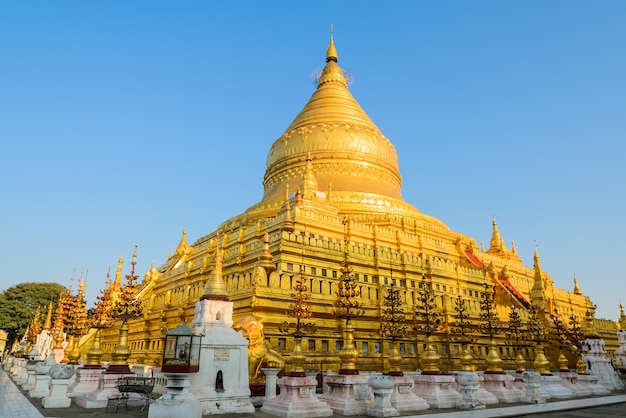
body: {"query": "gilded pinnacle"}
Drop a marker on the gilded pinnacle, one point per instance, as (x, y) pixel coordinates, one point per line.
(215, 289)
(331, 52)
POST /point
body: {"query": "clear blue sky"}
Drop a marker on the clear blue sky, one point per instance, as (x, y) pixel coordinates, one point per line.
(124, 122)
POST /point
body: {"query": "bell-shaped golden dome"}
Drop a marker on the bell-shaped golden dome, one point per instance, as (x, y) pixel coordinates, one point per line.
(346, 149)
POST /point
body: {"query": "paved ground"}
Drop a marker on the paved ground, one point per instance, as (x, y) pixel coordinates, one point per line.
(14, 404)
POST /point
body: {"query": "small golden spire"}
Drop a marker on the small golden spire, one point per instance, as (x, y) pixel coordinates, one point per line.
(538, 293)
(134, 262)
(298, 198)
(332, 74)
(47, 325)
(497, 243)
(331, 52)
(266, 259)
(215, 289)
(117, 284)
(577, 290)
(308, 182)
(182, 245)
(538, 272)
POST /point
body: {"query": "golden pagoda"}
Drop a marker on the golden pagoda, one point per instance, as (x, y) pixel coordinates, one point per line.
(332, 177)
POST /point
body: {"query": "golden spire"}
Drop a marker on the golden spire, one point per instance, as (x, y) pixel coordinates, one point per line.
(47, 325)
(577, 290)
(537, 294)
(497, 244)
(308, 183)
(35, 327)
(117, 284)
(298, 198)
(215, 289)
(265, 259)
(343, 145)
(331, 52)
(288, 222)
(182, 245)
(622, 317)
(59, 319)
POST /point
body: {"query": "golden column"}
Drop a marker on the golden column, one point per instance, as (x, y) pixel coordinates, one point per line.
(561, 332)
(516, 335)
(393, 327)
(125, 308)
(427, 320)
(347, 308)
(537, 330)
(101, 319)
(577, 336)
(76, 321)
(490, 326)
(299, 311)
(461, 326)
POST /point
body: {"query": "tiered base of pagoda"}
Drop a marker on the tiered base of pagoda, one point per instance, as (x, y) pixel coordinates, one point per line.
(554, 388)
(297, 399)
(591, 383)
(403, 398)
(502, 387)
(86, 381)
(347, 394)
(436, 389)
(570, 381)
(106, 389)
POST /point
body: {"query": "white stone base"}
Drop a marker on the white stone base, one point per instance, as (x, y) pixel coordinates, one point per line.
(297, 399)
(107, 388)
(600, 366)
(57, 397)
(436, 390)
(484, 396)
(347, 394)
(570, 381)
(86, 381)
(178, 401)
(42, 387)
(502, 387)
(227, 406)
(30, 380)
(553, 387)
(403, 398)
(166, 407)
(591, 382)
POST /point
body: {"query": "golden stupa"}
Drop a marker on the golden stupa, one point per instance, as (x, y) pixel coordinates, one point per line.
(332, 179)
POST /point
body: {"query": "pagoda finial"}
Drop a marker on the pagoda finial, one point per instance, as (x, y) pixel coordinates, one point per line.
(47, 325)
(117, 284)
(497, 244)
(182, 247)
(537, 293)
(134, 262)
(265, 259)
(215, 289)
(622, 316)
(577, 290)
(331, 53)
(308, 182)
(287, 223)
